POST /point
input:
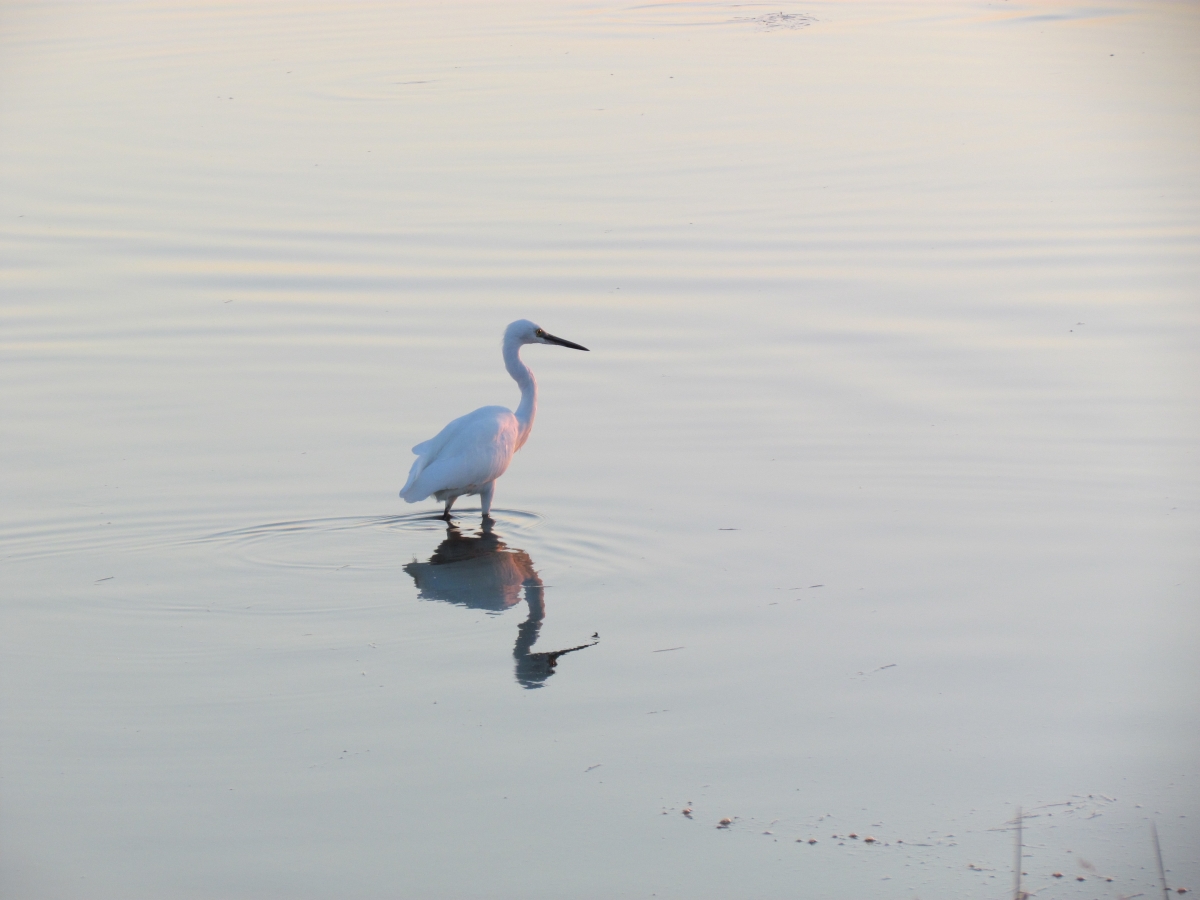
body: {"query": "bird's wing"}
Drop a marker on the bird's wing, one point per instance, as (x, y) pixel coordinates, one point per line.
(427, 451)
(468, 453)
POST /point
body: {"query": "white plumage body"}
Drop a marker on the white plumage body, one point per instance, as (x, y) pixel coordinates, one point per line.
(468, 454)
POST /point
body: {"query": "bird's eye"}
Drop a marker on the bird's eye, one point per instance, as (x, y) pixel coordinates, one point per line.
(541, 333)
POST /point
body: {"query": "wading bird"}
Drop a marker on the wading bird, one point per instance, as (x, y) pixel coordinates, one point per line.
(468, 455)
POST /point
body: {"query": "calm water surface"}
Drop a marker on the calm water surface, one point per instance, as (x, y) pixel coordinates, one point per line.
(873, 510)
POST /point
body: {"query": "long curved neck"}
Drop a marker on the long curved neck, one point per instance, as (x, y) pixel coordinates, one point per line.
(528, 385)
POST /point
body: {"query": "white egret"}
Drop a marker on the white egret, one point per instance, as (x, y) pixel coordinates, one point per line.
(468, 455)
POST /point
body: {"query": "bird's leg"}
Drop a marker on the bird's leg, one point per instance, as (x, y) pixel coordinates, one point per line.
(446, 511)
(485, 498)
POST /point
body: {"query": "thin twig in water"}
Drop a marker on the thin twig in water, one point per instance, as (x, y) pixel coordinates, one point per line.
(1162, 874)
(1018, 894)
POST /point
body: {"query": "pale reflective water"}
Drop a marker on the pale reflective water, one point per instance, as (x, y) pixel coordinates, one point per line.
(872, 510)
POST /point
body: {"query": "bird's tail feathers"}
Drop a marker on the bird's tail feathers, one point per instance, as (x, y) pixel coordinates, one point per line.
(408, 493)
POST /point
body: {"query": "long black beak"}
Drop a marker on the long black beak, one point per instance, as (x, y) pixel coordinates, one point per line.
(549, 338)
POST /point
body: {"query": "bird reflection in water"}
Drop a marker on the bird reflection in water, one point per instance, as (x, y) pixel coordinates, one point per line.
(480, 571)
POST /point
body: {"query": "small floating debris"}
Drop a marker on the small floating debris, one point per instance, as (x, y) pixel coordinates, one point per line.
(687, 811)
(725, 822)
(869, 840)
(852, 836)
(784, 20)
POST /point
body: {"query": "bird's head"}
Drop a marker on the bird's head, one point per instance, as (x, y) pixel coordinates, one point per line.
(523, 331)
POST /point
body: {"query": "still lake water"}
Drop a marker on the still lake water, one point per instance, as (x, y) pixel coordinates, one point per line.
(879, 486)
